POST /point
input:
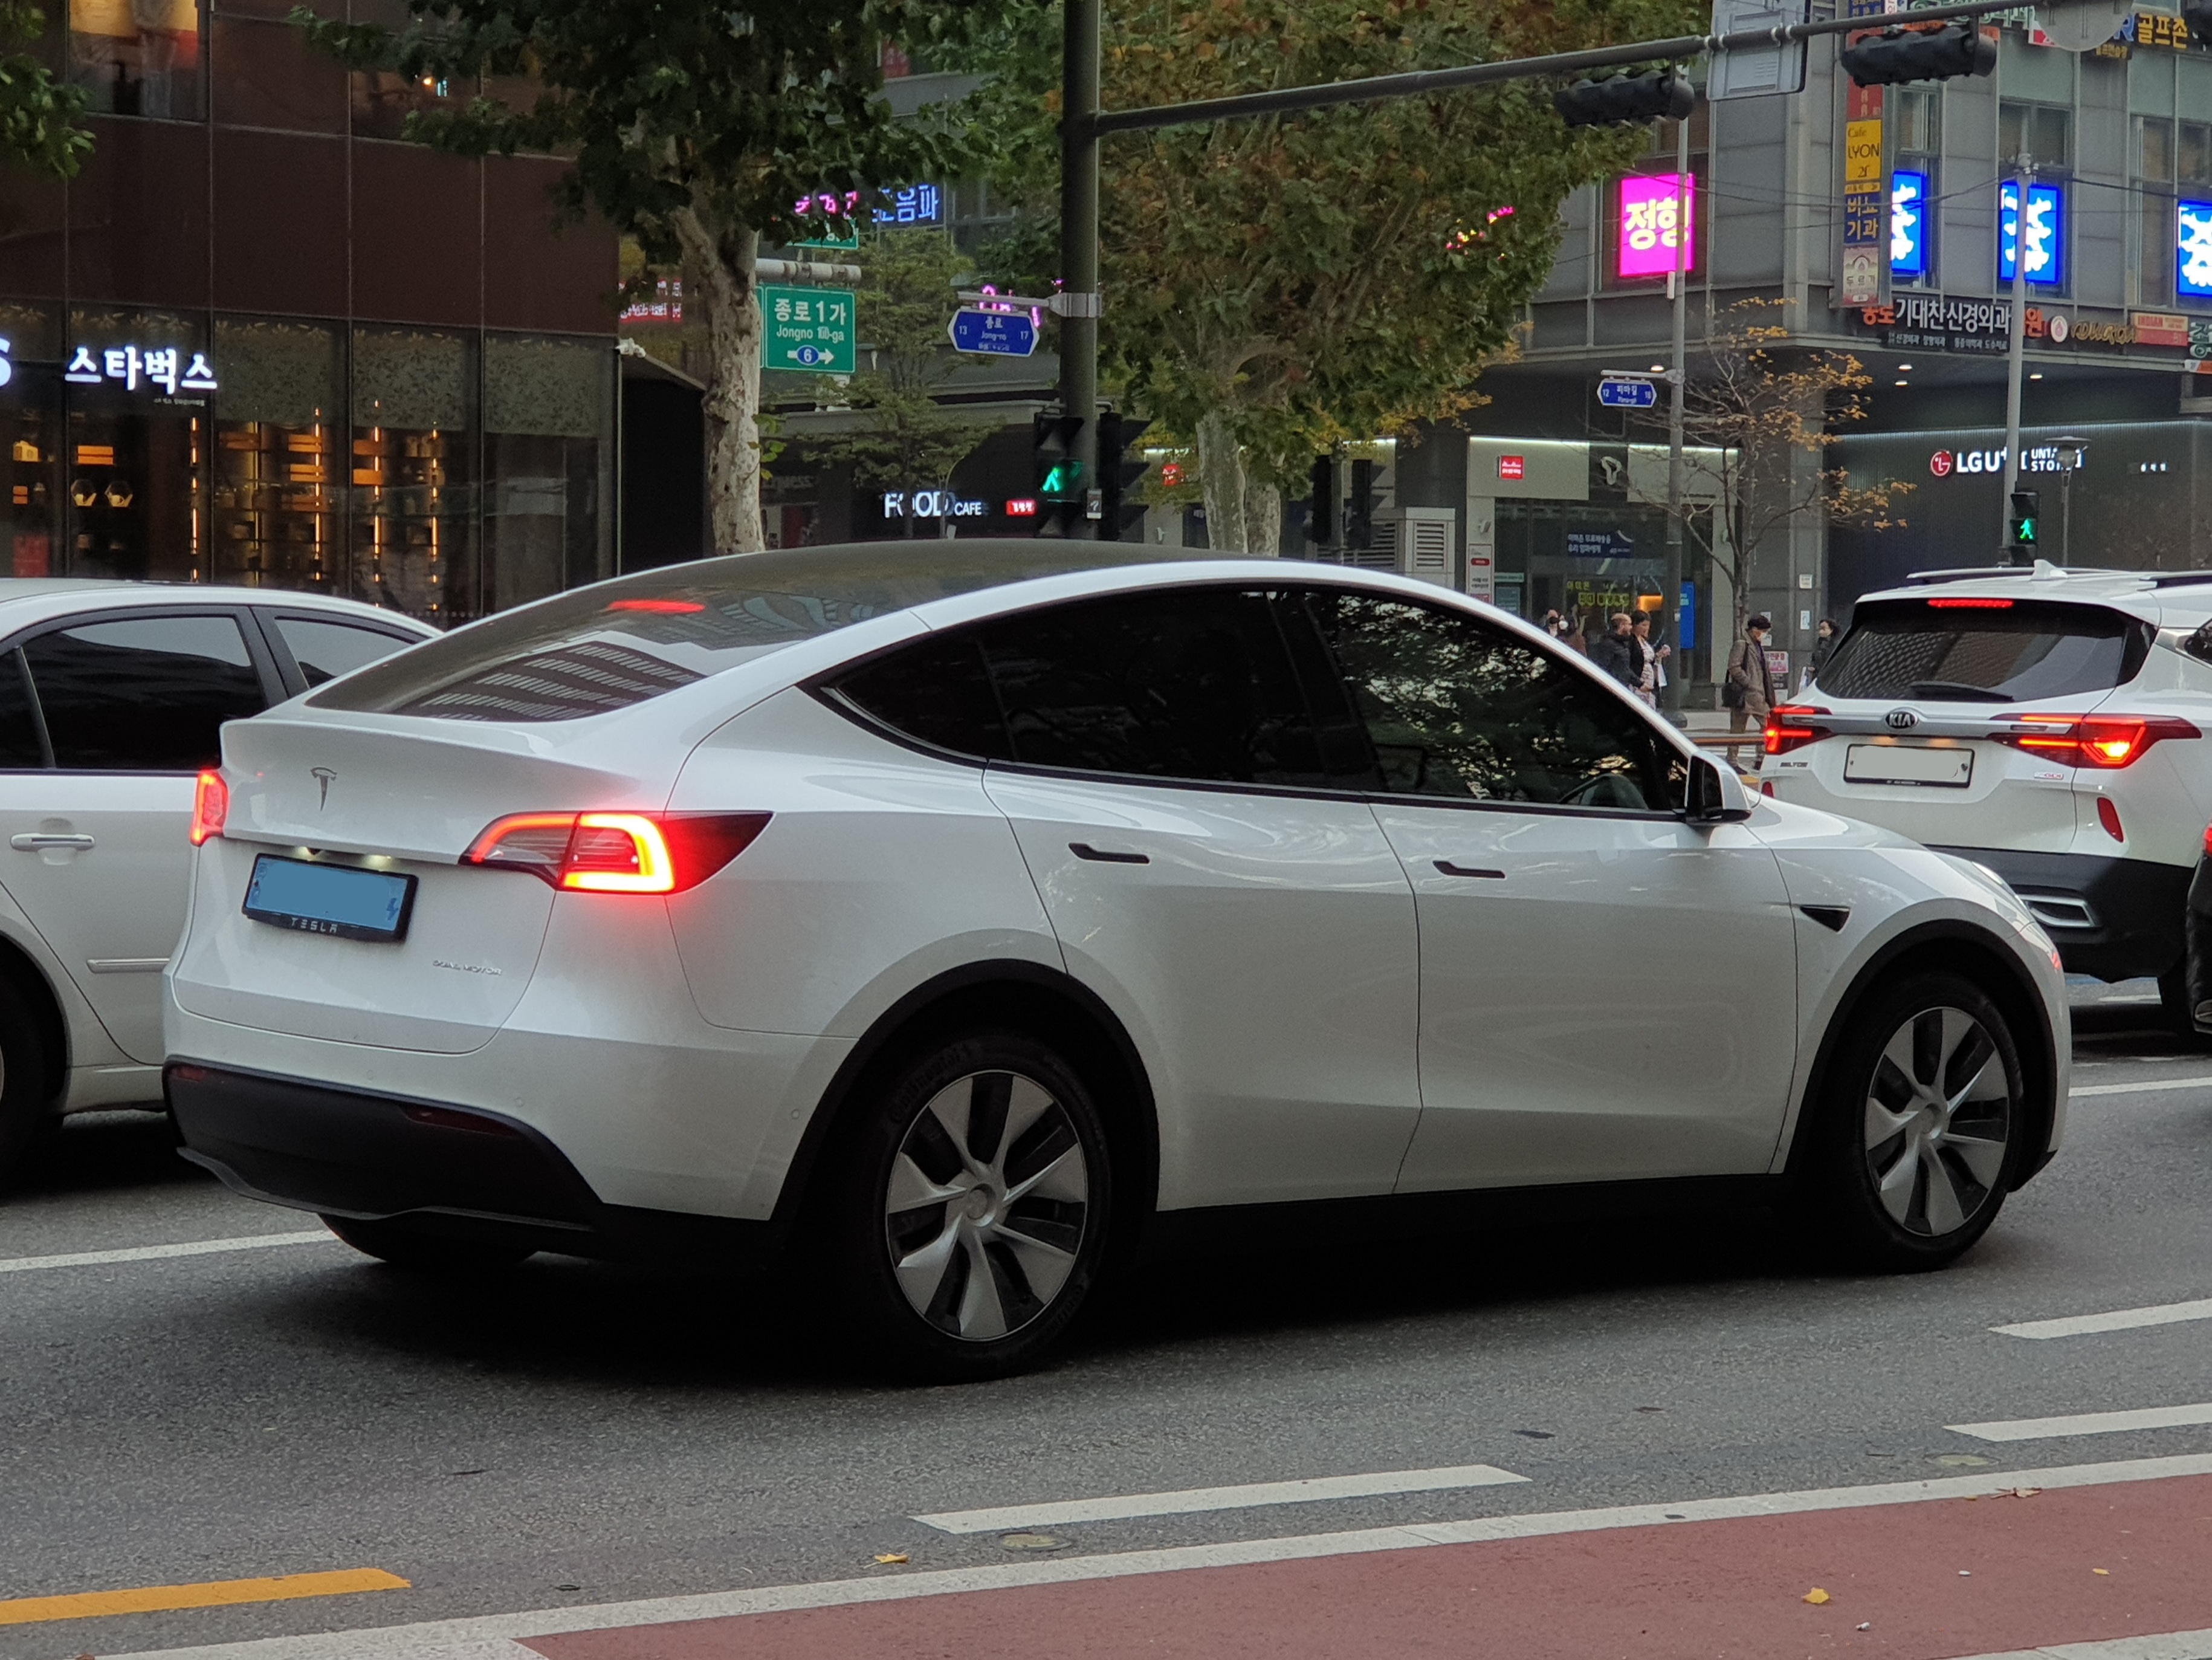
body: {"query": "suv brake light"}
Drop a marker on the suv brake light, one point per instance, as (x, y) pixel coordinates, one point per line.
(1786, 728)
(210, 807)
(2097, 741)
(617, 852)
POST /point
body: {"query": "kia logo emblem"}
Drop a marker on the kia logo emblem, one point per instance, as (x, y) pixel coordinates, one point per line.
(325, 778)
(1940, 464)
(1900, 720)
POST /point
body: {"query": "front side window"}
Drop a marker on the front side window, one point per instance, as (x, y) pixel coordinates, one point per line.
(1983, 651)
(143, 694)
(1462, 710)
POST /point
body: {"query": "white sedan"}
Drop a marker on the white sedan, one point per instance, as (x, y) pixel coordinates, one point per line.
(965, 914)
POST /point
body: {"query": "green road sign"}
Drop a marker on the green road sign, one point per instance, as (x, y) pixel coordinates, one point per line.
(851, 241)
(808, 329)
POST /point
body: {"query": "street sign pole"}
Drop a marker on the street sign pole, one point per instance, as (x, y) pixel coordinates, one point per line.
(1671, 579)
(2016, 340)
(1078, 240)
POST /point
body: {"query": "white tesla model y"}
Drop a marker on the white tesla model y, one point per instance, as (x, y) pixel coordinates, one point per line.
(945, 919)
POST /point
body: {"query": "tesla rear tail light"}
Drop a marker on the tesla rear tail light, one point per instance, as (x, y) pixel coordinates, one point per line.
(617, 852)
(1788, 727)
(2096, 740)
(210, 807)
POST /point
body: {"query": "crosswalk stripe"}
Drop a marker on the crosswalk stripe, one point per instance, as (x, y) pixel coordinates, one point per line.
(2141, 1086)
(2081, 1325)
(2086, 1423)
(1191, 1500)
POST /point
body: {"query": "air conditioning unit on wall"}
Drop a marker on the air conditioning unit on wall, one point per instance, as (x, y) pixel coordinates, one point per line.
(1424, 543)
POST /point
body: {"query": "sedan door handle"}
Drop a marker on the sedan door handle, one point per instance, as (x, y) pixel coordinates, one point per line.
(1085, 850)
(37, 840)
(1451, 869)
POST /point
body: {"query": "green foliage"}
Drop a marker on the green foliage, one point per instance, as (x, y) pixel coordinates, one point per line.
(911, 440)
(38, 113)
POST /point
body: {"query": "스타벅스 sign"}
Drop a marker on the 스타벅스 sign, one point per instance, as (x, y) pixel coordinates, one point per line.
(1649, 205)
(167, 367)
(811, 329)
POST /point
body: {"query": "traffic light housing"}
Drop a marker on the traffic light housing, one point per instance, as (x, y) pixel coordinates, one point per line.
(1898, 55)
(1621, 99)
(1117, 472)
(1060, 484)
(2026, 517)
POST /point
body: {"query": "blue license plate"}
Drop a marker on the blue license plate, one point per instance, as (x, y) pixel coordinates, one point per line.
(339, 900)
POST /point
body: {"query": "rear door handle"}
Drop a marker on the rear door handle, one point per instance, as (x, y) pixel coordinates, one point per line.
(35, 841)
(1085, 850)
(1451, 869)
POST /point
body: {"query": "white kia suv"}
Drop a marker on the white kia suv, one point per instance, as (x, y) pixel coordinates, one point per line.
(2053, 725)
(111, 694)
(967, 911)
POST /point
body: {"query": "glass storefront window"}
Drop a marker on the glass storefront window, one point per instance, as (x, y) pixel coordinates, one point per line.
(412, 516)
(139, 57)
(134, 452)
(30, 424)
(278, 456)
(549, 455)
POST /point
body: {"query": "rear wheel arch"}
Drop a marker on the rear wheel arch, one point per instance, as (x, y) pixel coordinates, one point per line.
(1963, 948)
(1028, 998)
(22, 975)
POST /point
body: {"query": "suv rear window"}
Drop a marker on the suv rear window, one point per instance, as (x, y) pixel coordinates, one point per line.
(618, 643)
(1990, 651)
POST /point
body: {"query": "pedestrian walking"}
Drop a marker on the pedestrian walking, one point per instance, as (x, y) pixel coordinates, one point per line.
(1617, 653)
(1651, 676)
(1748, 692)
(1824, 642)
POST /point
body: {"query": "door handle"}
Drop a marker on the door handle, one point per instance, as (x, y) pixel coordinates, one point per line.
(1451, 869)
(1085, 850)
(37, 840)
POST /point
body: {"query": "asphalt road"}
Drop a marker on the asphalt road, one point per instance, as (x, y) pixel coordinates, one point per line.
(574, 1433)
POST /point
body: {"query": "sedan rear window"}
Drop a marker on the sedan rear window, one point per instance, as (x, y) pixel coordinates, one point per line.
(1984, 651)
(617, 643)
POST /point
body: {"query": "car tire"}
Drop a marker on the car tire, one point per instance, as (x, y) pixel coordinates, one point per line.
(26, 1115)
(422, 1250)
(1920, 1124)
(965, 1211)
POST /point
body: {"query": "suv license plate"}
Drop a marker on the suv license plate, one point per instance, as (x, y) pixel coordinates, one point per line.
(1908, 763)
(339, 900)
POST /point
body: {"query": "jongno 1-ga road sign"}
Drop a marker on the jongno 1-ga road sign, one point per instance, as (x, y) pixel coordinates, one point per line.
(992, 333)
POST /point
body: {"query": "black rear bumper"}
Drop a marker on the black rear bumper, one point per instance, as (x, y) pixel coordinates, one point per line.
(2116, 919)
(459, 1169)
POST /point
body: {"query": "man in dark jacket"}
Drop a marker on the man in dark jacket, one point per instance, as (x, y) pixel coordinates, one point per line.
(1617, 654)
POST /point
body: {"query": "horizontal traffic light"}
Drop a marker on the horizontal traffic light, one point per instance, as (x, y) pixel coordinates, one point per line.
(1657, 94)
(1898, 55)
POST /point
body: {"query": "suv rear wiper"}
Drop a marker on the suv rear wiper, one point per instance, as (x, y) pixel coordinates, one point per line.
(1956, 690)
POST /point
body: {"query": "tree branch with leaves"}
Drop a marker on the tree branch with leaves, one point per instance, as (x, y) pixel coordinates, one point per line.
(39, 111)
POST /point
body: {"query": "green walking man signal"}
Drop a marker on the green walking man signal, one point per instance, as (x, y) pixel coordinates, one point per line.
(2024, 518)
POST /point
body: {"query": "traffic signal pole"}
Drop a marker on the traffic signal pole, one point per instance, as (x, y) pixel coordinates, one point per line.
(1670, 577)
(2015, 341)
(1078, 247)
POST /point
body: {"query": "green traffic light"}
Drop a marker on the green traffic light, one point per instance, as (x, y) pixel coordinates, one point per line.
(1064, 482)
(2023, 533)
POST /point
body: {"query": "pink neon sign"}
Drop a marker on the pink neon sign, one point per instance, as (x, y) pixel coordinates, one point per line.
(1648, 206)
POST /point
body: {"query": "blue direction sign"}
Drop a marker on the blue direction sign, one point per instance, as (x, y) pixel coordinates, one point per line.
(993, 333)
(1626, 393)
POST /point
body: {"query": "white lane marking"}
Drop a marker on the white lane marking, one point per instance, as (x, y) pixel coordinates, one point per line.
(1189, 1500)
(2165, 1645)
(2142, 1086)
(88, 1259)
(421, 1642)
(2086, 1423)
(2080, 1325)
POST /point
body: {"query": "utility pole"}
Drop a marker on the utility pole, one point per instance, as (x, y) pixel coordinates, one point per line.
(1670, 579)
(1078, 251)
(2023, 176)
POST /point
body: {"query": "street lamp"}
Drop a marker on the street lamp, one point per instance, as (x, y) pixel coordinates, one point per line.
(2070, 451)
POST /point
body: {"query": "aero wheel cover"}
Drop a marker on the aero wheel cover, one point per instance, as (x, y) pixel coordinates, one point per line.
(985, 1211)
(1939, 1115)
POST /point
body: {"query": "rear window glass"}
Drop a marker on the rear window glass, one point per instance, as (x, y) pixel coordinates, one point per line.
(617, 643)
(1984, 654)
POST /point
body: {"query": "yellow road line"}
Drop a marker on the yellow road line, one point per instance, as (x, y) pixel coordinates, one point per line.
(212, 1594)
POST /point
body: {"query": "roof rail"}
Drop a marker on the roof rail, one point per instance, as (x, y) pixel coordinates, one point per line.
(2178, 579)
(1967, 570)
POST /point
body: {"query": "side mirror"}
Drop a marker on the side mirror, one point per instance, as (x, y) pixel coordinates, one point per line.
(1715, 794)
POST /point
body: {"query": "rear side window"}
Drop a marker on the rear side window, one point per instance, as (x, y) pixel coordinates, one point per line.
(143, 694)
(325, 650)
(1984, 651)
(936, 690)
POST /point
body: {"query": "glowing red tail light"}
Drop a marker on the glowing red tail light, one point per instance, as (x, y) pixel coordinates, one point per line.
(1786, 728)
(1970, 604)
(2097, 741)
(210, 807)
(617, 852)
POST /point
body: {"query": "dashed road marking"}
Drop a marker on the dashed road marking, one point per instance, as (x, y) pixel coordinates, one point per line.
(2081, 1325)
(90, 1258)
(2086, 1423)
(1191, 1500)
(2142, 1086)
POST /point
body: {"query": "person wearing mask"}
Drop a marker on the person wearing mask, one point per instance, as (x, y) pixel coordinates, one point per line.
(1617, 653)
(1554, 624)
(1748, 689)
(1651, 662)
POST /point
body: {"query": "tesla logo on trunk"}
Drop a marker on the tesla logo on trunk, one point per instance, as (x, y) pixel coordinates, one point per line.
(1900, 720)
(323, 777)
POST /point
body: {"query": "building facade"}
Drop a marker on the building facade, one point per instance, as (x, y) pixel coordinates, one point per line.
(259, 340)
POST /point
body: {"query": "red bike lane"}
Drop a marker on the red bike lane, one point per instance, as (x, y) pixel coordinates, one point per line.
(1929, 1580)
